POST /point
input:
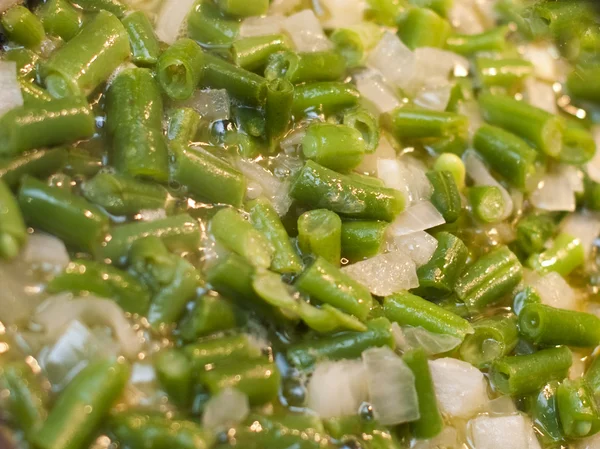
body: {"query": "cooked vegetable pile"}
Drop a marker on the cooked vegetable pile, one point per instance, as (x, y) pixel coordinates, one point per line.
(294, 224)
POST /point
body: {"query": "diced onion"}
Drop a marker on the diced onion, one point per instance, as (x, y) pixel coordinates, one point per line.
(272, 187)
(543, 58)
(420, 217)
(589, 443)
(5, 4)
(211, 104)
(171, 18)
(554, 192)
(512, 431)
(408, 338)
(46, 251)
(419, 246)
(306, 32)
(262, 26)
(384, 150)
(464, 17)
(470, 109)
(406, 175)
(373, 88)
(554, 291)
(342, 13)
(584, 226)
(19, 292)
(503, 405)
(573, 175)
(434, 95)
(541, 95)
(385, 274)
(10, 94)
(459, 387)
(437, 63)
(226, 409)
(448, 438)
(593, 166)
(577, 368)
(391, 386)
(393, 59)
(337, 388)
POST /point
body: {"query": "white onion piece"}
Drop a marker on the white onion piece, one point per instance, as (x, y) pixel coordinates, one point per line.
(306, 32)
(6, 4)
(554, 291)
(577, 368)
(420, 217)
(385, 274)
(460, 388)
(272, 187)
(512, 432)
(448, 438)
(434, 95)
(342, 13)
(262, 26)
(393, 59)
(593, 166)
(46, 251)
(57, 311)
(151, 214)
(373, 88)
(406, 175)
(573, 175)
(171, 18)
(481, 176)
(408, 338)
(464, 18)
(543, 57)
(226, 409)
(337, 388)
(541, 95)
(470, 109)
(433, 63)
(10, 94)
(419, 246)
(554, 193)
(211, 104)
(391, 386)
(503, 405)
(293, 140)
(142, 373)
(384, 150)
(584, 226)
(19, 292)
(589, 443)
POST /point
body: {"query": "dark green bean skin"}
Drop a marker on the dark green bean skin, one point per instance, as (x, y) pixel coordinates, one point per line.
(134, 112)
(257, 378)
(265, 219)
(174, 372)
(539, 127)
(134, 430)
(21, 26)
(145, 47)
(60, 19)
(446, 196)
(180, 69)
(533, 231)
(320, 234)
(212, 313)
(548, 326)
(344, 345)
(506, 153)
(241, 8)
(113, 6)
(53, 123)
(487, 280)
(422, 27)
(468, 44)
(37, 163)
(430, 422)
(326, 283)
(306, 67)
(578, 146)
(565, 254)
(13, 233)
(88, 59)
(82, 276)
(362, 239)
(366, 123)
(71, 218)
(543, 409)
(577, 409)
(252, 53)
(320, 187)
(82, 406)
(338, 147)
(494, 337)
(523, 374)
(179, 233)
(207, 26)
(438, 277)
(411, 310)
(241, 83)
(327, 97)
(278, 111)
(217, 350)
(414, 123)
(27, 399)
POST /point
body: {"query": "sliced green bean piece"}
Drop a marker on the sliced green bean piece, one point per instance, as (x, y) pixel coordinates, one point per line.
(577, 409)
(338, 147)
(565, 254)
(37, 163)
(487, 203)
(280, 99)
(422, 27)
(468, 44)
(306, 67)
(145, 48)
(113, 6)
(180, 69)
(174, 372)
(217, 350)
(362, 239)
(445, 197)
(243, 8)
(252, 53)
(13, 233)
(21, 26)
(320, 233)
(414, 123)
(494, 337)
(212, 313)
(60, 19)
(543, 408)
(508, 72)
(207, 26)
(326, 97)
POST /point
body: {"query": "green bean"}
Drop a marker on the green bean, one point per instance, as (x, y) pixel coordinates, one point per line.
(252, 53)
(565, 254)
(407, 309)
(421, 27)
(306, 67)
(135, 430)
(217, 350)
(174, 372)
(121, 195)
(183, 127)
(494, 337)
(33, 95)
(145, 48)
(445, 197)
(354, 42)
(320, 187)
(366, 123)
(80, 162)
(134, 112)
(319, 234)
(25, 59)
(89, 58)
(452, 163)
(337, 147)
(543, 408)
(537, 126)
(212, 313)
(86, 276)
(522, 374)
(113, 6)
(430, 422)
(280, 98)
(577, 409)
(506, 153)
(13, 233)
(257, 378)
(60, 19)
(71, 218)
(487, 203)
(489, 279)
(468, 44)
(362, 239)
(82, 406)
(578, 146)
(508, 72)
(180, 69)
(384, 12)
(437, 278)
(265, 219)
(344, 345)
(583, 83)
(207, 26)
(592, 375)
(179, 233)
(413, 123)
(39, 163)
(327, 319)
(243, 8)
(21, 26)
(240, 83)
(326, 283)
(53, 123)
(523, 297)
(533, 231)
(325, 97)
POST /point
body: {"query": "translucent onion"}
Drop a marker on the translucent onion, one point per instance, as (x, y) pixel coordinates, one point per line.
(420, 217)
(448, 438)
(407, 175)
(553, 290)
(373, 88)
(419, 246)
(555, 192)
(393, 59)
(171, 18)
(502, 431)
(5, 4)
(226, 409)
(541, 95)
(262, 26)
(10, 94)
(46, 251)
(584, 226)
(470, 109)
(408, 338)
(306, 32)
(211, 104)
(464, 17)
(272, 187)
(543, 56)
(385, 150)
